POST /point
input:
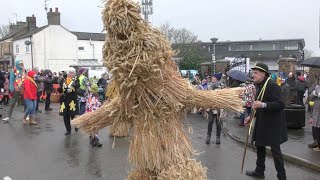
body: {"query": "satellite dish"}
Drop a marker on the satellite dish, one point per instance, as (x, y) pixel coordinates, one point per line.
(27, 42)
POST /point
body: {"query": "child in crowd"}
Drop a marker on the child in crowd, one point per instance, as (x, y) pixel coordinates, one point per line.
(92, 104)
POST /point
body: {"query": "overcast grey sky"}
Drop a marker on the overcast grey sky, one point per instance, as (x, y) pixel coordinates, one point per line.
(224, 19)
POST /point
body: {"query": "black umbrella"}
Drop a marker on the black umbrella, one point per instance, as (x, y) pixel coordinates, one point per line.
(238, 75)
(312, 62)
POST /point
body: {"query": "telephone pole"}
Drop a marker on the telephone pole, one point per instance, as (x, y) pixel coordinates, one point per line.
(147, 9)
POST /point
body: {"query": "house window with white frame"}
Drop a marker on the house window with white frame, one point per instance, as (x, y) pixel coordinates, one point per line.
(27, 49)
(17, 49)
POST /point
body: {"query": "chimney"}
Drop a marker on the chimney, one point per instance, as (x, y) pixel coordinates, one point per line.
(31, 23)
(53, 17)
(16, 27)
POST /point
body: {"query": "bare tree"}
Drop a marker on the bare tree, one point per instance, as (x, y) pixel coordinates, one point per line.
(178, 35)
(4, 30)
(308, 53)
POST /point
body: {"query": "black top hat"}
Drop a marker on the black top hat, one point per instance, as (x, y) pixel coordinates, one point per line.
(261, 67)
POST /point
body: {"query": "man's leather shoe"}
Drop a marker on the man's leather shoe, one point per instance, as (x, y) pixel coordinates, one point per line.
(255, 174)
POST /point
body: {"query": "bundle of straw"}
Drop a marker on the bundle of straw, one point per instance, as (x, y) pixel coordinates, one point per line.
(151, 96)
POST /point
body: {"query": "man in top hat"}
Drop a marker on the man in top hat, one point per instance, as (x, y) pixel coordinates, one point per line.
(269, 128)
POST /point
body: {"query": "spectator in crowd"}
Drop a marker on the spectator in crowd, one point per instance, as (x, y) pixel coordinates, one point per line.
(301, 87)
(55, 78)
(69, 106)
(17, 77)
(292, 82)
(214, 114)
(83, 83)
(285, 88)
(204, 84)
(6, 90)
(196, 80)
(249, 96)
(39, 80)
(102, 84)
(48, 88)
(93, 103)
(30, 98)
(94, 80)
(215, 81)
(315, 118)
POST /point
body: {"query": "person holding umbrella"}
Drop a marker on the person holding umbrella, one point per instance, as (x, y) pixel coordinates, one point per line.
(270, 128)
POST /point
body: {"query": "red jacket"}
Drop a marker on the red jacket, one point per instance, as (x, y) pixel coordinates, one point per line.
(30, 89)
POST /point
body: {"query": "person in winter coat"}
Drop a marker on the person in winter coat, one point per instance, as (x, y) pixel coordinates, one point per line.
(48, 88)
(102, 84)
(17, 76)
(214, 114)
(30, 98)
(69, 106)
(270, 128)
(39, 80)
(285, 89)
(301, 88)
(315, 118)
(83, 83)
(204, 84)
(292, 82)
(249, 96)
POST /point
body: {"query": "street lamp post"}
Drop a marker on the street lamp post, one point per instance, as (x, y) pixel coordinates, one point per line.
(27, 42)
(214, 41)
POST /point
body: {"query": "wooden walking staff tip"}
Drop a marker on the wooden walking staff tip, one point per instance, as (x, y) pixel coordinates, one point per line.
(247, 139)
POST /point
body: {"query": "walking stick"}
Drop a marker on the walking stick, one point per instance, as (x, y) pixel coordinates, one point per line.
(246, 143)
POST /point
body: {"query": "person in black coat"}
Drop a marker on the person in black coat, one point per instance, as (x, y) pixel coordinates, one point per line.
(48, 87)
(270, 127)
(69, 106)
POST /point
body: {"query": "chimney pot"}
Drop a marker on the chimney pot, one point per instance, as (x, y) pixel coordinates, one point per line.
(57, 10)
(50, 9)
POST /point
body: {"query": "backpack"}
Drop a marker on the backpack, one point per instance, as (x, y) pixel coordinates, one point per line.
(301, 85)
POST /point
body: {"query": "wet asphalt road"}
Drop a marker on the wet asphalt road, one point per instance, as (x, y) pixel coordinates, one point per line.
(43, 153)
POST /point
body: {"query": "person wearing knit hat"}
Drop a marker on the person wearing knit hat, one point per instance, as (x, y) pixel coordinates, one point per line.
(217, 76)
(82, 71)
(30, 98)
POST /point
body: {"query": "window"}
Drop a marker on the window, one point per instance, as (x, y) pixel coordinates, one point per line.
(262, 47)
(289, 46)
(240, 47)
(27, 48)
(17, 49)
(81, 48)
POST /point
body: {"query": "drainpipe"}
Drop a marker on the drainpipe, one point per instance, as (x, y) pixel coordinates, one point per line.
(92, 49)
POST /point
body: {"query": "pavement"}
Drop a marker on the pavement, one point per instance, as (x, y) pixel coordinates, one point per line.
(295, 150)
(42, 152)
